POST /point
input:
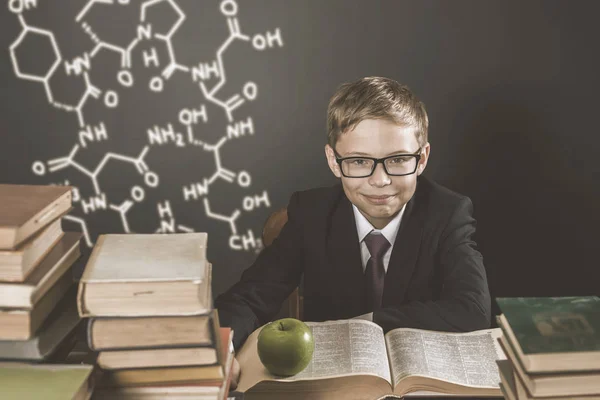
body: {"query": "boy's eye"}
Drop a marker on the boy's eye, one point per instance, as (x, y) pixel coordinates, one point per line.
(398, 160)
(360, 162)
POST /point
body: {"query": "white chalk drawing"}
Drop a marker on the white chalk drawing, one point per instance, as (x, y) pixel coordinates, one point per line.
(209, 77)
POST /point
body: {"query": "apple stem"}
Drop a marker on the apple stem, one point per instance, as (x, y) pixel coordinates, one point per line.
(281, 326)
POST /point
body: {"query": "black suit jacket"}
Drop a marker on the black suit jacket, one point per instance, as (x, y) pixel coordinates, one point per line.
(435, 278)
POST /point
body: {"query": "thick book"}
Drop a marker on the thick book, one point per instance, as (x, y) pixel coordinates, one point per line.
(16, 265)
(22, 324)
(199, 390)
(553, 334)
(354, 359)
(26, 209)
(57, 328)
(227, 338)
(514, 389)
(53, 266)
(171, 375)
(48, 382)
(207, 375)
(151, 332)
(185, 392)
(146, 275)
(165, 356)
(507, 380)
(150, 358)
(568, 384)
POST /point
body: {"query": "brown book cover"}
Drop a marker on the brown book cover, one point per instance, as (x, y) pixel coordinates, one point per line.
(16, 265)
(58, 261)
(205, 375)
(152, 332)
(26, 209)
(159, 358)
(53, 334)
(17, 324)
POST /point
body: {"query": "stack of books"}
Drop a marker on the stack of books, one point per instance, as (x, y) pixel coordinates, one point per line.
(151, 318)
(553, 347)
(38, 314)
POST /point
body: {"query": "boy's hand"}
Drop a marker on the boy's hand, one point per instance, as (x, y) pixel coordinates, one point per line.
(235, 375)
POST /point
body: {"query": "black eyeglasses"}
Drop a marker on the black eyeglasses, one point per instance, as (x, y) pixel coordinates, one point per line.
(362, 167)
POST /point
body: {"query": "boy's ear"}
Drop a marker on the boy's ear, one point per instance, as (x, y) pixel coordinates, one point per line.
(424, 158)
(333, 165)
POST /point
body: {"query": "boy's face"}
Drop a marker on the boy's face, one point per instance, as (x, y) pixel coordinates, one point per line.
(378, 197)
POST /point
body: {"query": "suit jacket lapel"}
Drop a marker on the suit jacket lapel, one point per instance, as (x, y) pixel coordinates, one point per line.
(404, 254)
(344, 256)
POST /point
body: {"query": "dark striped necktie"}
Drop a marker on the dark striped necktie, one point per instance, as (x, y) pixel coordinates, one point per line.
(375, 271)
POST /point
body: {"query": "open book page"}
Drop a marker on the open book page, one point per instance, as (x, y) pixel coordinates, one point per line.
(341, 348)
(467, 359)
(347, 347)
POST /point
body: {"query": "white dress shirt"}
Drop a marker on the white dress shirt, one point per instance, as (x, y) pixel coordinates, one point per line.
(363, 228)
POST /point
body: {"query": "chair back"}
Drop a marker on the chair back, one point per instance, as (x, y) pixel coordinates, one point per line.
(271, 230)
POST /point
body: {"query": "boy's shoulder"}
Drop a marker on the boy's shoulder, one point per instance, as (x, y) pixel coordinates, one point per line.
(437, 193)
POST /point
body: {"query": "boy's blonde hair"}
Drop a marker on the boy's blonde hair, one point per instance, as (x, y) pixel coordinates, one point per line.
(375, 98)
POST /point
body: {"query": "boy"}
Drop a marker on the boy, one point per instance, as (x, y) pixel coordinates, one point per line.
(386, 244)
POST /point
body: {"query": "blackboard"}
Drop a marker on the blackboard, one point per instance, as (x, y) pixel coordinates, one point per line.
(180, 115)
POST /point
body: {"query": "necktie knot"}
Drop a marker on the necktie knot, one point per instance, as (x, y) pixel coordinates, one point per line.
(377, 245)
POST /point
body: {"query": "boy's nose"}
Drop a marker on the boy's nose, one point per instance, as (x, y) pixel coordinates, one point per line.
(379, 177)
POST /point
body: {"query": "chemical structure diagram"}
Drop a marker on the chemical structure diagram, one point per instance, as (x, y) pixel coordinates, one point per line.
(180, 133)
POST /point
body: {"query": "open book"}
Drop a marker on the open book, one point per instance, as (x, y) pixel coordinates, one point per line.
(353, 359)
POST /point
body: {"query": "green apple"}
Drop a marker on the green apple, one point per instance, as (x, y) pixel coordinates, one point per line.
(285, 347)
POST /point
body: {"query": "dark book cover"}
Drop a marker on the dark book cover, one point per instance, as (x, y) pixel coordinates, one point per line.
(554, 324)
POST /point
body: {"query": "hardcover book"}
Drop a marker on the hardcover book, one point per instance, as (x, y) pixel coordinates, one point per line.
(26, 209)
(553, 334)
(553, 384)
(22, 324)
(147, 358)
(16, 265)
(56, 329)
(48, 382)
(53, 266)
(514, 389)
(149, 332)
(208, 375)
(166, 356)
(145, 275)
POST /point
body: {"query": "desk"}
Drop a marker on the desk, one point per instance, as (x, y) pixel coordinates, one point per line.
(240, 396)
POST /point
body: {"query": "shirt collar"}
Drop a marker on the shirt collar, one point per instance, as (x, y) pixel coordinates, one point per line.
(364, 227)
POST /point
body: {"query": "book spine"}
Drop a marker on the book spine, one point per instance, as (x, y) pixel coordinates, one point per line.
(81, 309)
(216, 333)
(211, 344)
(89, 335)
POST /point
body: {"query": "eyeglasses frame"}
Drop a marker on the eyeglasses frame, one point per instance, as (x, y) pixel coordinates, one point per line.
(376, 161)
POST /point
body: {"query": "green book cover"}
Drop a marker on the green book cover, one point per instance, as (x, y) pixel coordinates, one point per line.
(554, 324)
(24, 382)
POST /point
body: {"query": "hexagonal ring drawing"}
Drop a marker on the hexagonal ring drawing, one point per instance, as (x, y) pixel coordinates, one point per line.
(17, 42)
